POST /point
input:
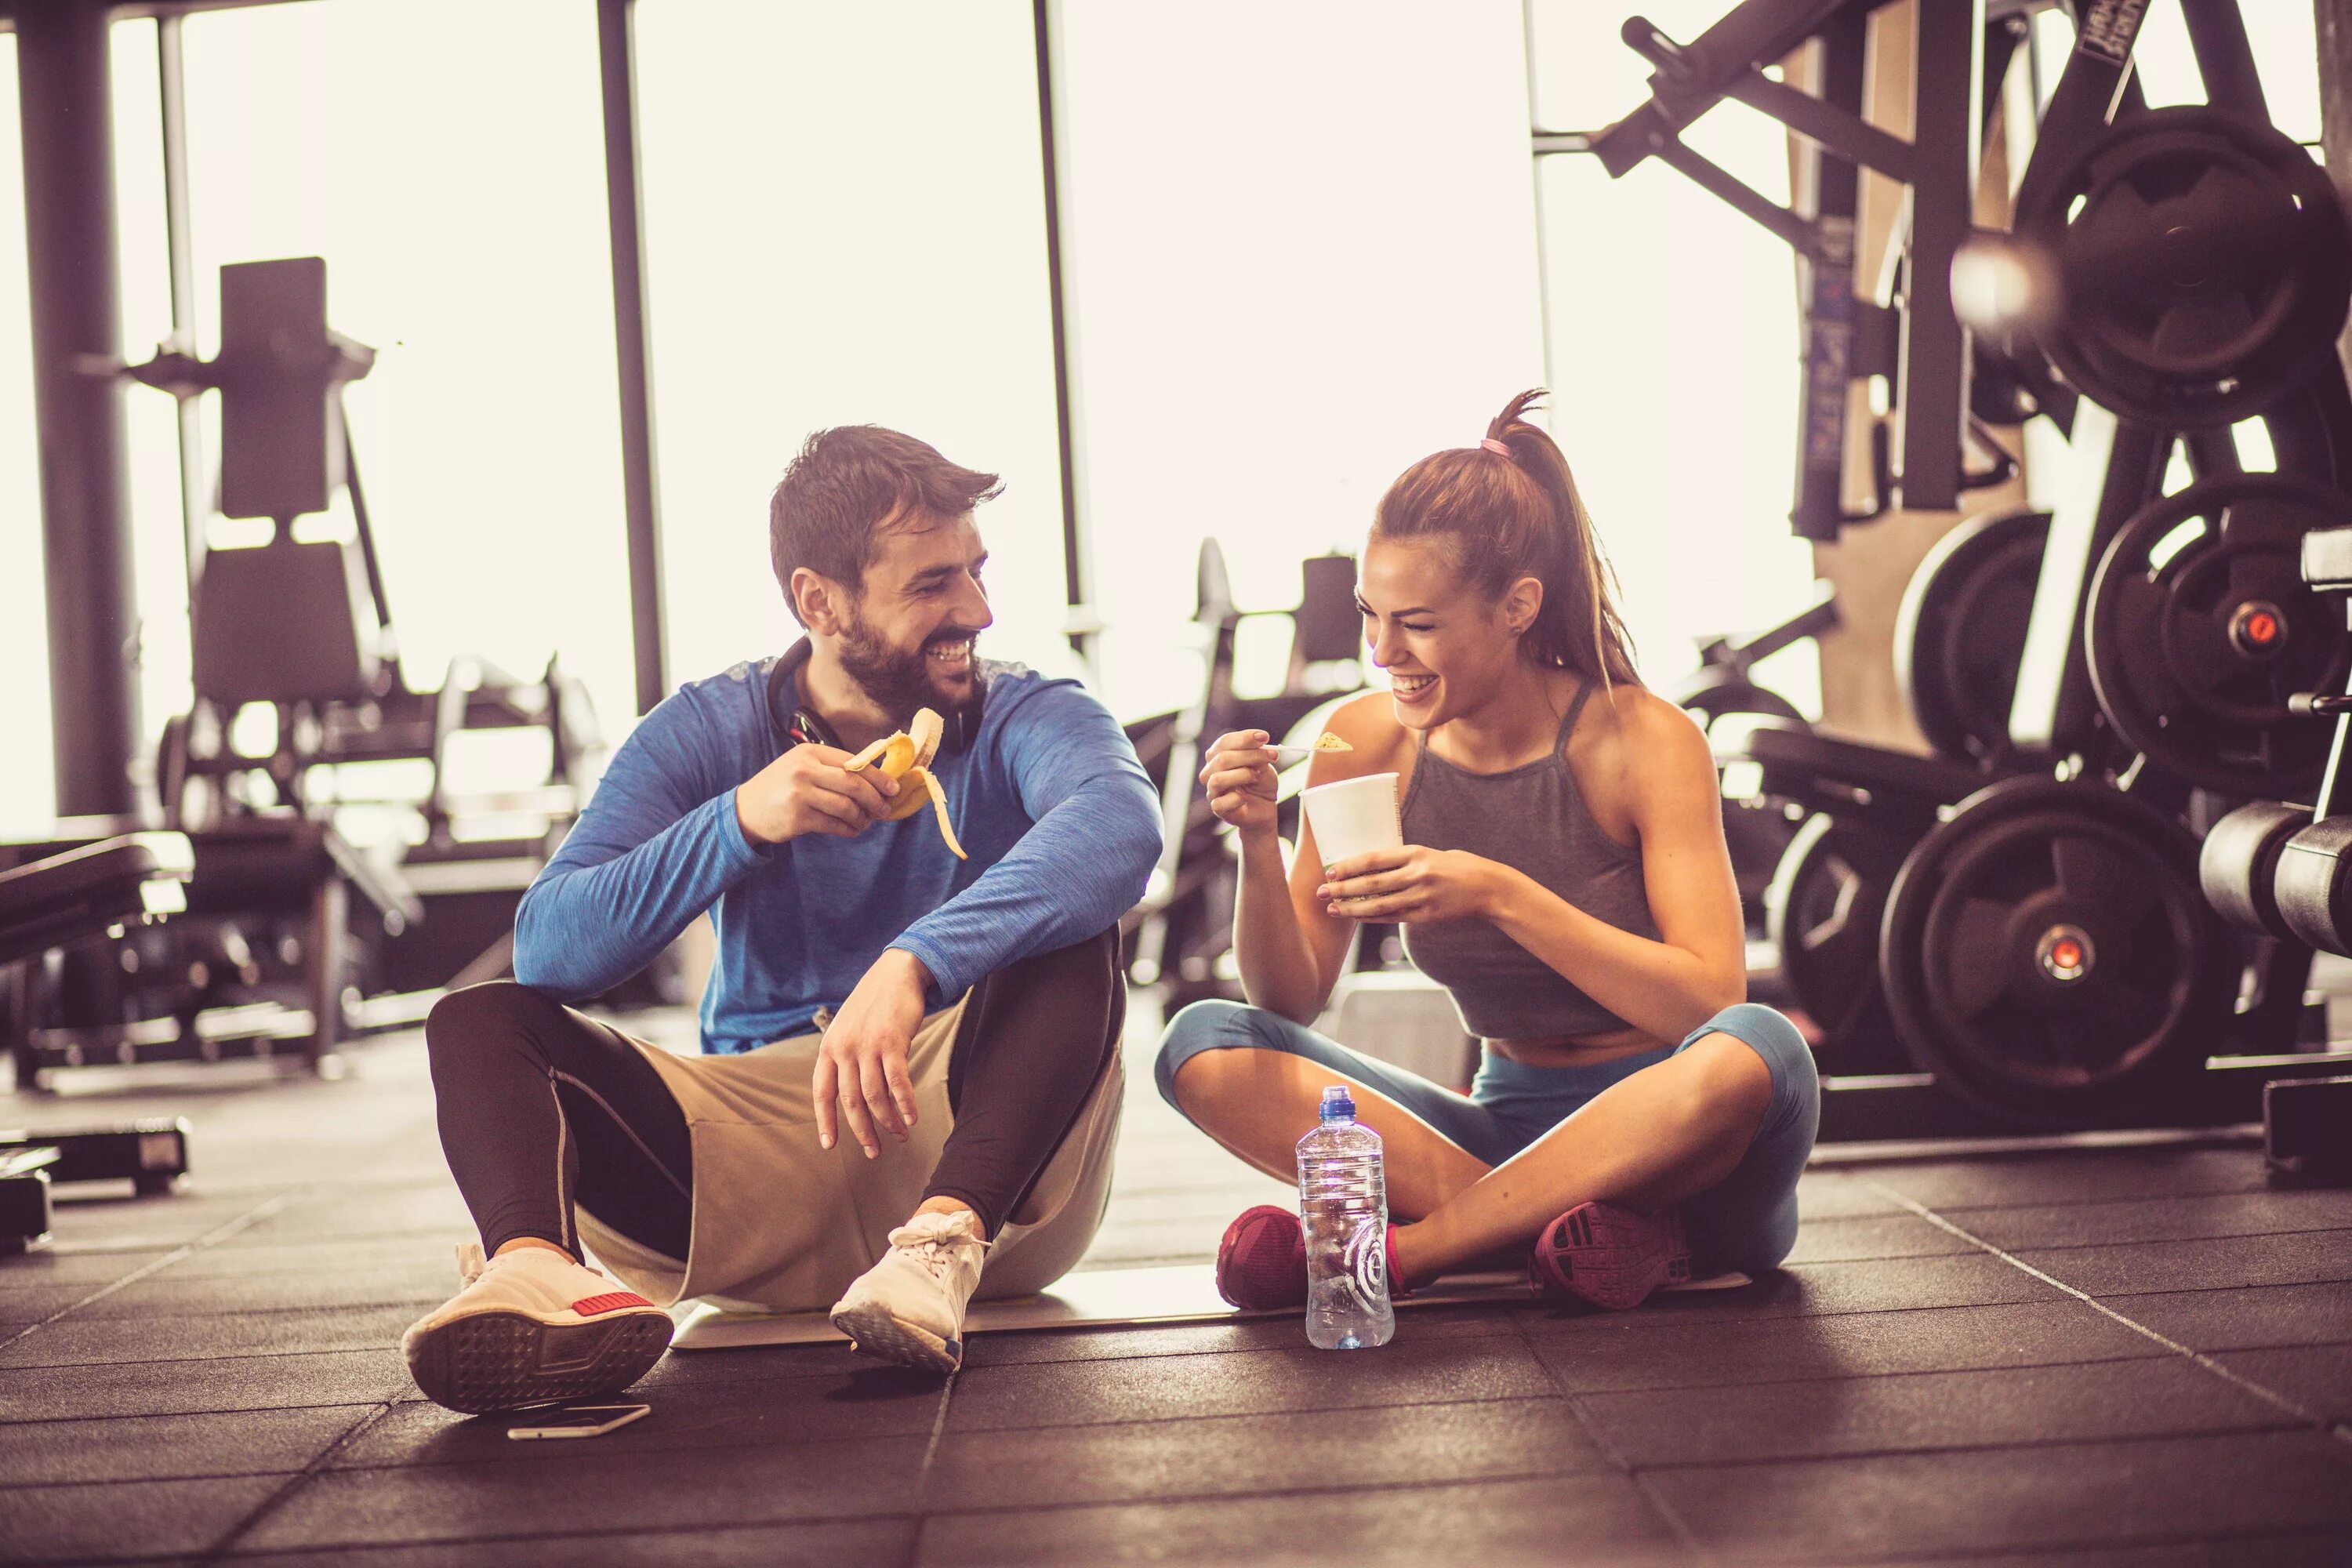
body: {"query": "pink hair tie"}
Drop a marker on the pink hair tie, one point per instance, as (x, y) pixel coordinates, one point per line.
(1496, 447)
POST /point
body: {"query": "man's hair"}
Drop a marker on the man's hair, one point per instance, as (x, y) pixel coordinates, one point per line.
(846, 486)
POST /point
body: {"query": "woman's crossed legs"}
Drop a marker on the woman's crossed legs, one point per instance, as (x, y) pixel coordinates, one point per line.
(1719, 1126)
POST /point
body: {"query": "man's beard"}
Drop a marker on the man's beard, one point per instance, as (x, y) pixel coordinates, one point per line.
(901, 680)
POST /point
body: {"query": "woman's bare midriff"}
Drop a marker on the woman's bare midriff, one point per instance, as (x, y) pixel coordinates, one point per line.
(1576, 1051)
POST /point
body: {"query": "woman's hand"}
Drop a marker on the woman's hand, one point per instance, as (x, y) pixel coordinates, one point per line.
(1239, 777)
(1414, 883)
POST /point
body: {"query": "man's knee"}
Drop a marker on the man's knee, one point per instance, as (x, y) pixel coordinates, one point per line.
(485, 1015)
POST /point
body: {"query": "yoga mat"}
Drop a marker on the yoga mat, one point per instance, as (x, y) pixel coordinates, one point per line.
(1101, 1297)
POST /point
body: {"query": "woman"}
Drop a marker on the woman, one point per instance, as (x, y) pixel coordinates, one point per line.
(1563, 875)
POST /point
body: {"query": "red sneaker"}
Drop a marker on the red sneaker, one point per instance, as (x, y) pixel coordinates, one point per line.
(1611, 1256)
(1262, 1262)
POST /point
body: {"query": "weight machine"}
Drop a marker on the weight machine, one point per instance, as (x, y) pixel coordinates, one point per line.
(2024, 914)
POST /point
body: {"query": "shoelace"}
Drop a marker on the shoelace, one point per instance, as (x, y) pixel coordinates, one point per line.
(934, 1249)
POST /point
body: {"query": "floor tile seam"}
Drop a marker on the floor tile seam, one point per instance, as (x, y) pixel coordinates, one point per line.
(1870, 1377)
(661, 1532)
(294, 1483)
(2259, 1390)
(2246, 1428)
(1500, 1333)
(923, 1476)
(1865, 1558)
(12, 1487)
(1168, 1499)
(1658, 1505)
(252, 1216)
(385, 1347)
(1245, 1414)
(2044, 1247)
(169, 1415)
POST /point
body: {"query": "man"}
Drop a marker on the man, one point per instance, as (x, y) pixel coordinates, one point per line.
(883, 1021)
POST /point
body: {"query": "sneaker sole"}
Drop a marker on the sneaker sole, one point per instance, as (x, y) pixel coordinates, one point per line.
(1614, 1258)
(873, 1331)
(488, 1362)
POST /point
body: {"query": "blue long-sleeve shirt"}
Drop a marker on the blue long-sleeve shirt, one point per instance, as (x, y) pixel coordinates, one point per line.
(1060, 821)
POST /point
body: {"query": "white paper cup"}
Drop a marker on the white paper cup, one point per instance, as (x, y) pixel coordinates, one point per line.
(1353, 816)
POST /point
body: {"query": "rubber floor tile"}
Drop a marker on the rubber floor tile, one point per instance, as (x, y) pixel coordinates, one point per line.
(77, 1340)
(836, 1543)
(2296, 1549)
(1828, 1418)
(1881, 1285)
(175, 1387)
(2074, 1176)
(1405, 1372)
(1285, 1333)
(1495, 1524)
(709, 1368)
(240, 1257)
(821, 1409)
(2248, 1319)
(2317, 1377)
(167, 1447)
(328, 1288)
(596, 1491)
(1840, 1195)
(1642, 1354)
(2215, 1263)
(1873, 1236)
(148, 1518)
(1162, 1461)
(2161, 1219)
(66, 1265)
(1986, 1500)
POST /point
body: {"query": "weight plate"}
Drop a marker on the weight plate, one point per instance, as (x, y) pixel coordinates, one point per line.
(2199, 628)
(2047, 955)
(1822, 912)
(1960, 634)
(2204, 265)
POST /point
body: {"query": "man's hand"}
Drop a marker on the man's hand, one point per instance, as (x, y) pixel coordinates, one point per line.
(861, 1065)
(807, 790)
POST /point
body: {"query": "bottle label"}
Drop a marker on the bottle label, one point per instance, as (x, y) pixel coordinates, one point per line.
(1366, 1257)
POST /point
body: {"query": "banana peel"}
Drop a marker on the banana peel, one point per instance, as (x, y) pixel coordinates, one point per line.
(906, 756)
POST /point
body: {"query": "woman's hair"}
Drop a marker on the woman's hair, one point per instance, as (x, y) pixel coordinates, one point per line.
(1511, 514)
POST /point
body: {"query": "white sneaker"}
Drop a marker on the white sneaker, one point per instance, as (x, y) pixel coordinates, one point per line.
(909, 1307)
(532, 1327)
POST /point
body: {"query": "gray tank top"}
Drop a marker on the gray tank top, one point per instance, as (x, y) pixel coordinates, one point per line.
(1532, 819)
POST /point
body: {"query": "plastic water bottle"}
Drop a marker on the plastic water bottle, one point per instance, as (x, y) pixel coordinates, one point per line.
(1343, 1202)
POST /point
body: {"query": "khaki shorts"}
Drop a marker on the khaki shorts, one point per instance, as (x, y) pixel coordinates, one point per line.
(782, 1225)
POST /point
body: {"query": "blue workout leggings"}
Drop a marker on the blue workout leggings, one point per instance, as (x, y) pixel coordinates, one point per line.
(1747, 1222)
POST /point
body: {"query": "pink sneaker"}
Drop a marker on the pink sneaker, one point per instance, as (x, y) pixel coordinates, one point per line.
(1262, 1262)
(1611, 1256)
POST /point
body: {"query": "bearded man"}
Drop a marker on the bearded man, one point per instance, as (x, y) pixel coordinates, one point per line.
(915, 1005)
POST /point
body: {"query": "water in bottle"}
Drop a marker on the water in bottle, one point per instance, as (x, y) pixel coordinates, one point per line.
(1343, 1202)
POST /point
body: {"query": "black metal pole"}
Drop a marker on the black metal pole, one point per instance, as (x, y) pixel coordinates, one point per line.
(1075, 583)
(618, 53)
(65, 104)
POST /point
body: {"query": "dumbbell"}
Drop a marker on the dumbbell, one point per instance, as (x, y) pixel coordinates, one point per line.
(2270, 869)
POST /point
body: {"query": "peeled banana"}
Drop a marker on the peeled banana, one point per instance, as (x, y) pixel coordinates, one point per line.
(906, 756)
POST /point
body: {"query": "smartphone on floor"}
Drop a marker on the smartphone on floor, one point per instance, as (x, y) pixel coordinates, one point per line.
(578, 1420)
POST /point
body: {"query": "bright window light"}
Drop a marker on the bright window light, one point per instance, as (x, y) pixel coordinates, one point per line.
(27, 801)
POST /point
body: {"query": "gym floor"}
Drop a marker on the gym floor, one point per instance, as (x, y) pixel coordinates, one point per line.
(2127, 1356)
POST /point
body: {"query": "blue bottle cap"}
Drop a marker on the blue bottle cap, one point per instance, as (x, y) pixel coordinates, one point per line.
(1338, 1105)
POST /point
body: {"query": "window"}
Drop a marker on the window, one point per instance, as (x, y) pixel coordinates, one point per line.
(458, 194)
(1674, 355)
(844, 211)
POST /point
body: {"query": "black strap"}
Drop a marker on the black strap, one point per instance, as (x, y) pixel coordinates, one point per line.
(800, 724)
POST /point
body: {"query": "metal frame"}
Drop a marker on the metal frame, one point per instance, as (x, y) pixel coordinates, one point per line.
(616, 56)
(1077, 566)
(65, 102)
(1938, 164)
